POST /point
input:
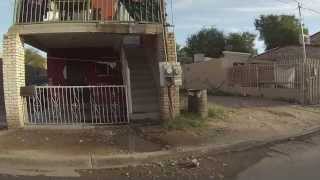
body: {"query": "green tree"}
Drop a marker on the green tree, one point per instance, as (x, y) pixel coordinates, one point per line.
(209, 41)
(278, 30)
(241, 42)
(34, 59)
(35, 65)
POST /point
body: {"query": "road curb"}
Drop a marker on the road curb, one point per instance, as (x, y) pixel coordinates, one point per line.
(93, 161)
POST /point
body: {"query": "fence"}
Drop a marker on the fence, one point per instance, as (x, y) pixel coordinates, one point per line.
(290, 74)
(77, 105)
(55, 11)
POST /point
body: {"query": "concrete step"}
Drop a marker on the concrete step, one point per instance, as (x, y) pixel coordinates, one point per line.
(145, 108)
(142, 84)
(142, 79)
(145, 99)
(145, 116)
(144, 92)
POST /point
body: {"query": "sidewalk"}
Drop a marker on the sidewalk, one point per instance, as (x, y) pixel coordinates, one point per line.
(246, 122)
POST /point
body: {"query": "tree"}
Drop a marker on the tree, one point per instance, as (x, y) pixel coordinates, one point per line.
(34, 59)
(278, 30)
(241, 42)
(209, 41)
(35, 65)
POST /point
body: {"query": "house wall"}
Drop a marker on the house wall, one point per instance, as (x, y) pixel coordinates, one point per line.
(213, 73)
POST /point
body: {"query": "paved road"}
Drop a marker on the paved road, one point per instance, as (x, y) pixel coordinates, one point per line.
(294, 160)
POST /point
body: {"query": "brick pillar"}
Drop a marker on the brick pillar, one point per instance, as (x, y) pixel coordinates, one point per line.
(13, 78)
(164, 91)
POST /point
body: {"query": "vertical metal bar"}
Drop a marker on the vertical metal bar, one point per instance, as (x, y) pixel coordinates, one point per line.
(45, 11)
(78, 10)
(32, 13)
(83, 106)
(99, 105)
(52, 106)
(119, 104)
(41, 105)
(146, 7)
(30, 110)
(27, 14)
(107, 103)
(23, 12)
(67, 105)
(140, 3)
(127, 103)
(14, 12)
(60, 104)
(63, 104)
(102, 103)
(111, 104)
(70, 98)
(91, 105)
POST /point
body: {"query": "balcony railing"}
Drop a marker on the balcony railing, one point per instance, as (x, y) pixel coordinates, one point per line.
(87, 11)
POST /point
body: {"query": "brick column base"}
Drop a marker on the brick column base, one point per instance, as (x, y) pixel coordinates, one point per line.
(13, 78)
(165, 107)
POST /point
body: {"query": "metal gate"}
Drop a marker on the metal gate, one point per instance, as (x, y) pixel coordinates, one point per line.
(77, 105)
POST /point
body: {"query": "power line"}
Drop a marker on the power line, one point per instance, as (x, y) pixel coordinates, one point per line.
(312, 10)
(284, 2)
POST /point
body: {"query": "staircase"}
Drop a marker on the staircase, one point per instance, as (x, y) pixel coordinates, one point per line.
(145, 99)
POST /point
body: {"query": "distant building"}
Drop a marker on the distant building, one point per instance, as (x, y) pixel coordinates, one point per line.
(285, 53)
(211, 73)
(292, 52)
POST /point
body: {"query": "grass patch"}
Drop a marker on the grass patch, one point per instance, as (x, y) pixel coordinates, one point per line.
(217, 112)
(194, 121)
(185, 121)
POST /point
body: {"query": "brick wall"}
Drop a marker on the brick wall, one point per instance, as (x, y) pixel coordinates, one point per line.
(164, 91)
(2, 107)
(13, 78)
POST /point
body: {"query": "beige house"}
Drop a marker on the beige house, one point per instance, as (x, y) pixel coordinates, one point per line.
(211, 73)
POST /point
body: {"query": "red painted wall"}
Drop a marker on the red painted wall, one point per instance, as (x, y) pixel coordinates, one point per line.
(82, 67)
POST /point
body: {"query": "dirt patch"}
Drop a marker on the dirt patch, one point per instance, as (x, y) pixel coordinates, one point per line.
(245, 118)
(77, 142)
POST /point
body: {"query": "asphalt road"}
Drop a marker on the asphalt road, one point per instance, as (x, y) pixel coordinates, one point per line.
(293, 160)
(296, 160)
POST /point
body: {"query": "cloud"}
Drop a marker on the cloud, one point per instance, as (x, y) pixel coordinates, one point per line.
(182, 4)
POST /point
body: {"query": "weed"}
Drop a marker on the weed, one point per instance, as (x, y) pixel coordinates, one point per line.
(216, 112)
(191, 120)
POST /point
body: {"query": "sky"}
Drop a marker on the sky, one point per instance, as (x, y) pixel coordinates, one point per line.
(189, 16)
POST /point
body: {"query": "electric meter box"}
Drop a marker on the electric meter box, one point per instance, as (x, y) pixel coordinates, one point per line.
(170, 74)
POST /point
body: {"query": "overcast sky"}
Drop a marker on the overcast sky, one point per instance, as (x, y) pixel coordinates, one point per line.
(228, 15)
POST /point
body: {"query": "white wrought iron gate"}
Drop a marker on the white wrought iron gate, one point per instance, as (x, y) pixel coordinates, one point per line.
(77, 105)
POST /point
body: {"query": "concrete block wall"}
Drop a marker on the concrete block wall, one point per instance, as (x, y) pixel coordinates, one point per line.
(165, 108)
(13, 78)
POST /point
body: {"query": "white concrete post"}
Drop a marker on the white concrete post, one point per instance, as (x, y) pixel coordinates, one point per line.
(13, 78)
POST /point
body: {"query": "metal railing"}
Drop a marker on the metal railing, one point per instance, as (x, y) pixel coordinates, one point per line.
(86, 11)
(77, 105)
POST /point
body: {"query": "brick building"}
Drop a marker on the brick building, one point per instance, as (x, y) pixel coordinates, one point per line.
(103, 63)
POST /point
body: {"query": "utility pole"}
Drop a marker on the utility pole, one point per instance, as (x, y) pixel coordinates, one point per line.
(302, 33)
(303, 75)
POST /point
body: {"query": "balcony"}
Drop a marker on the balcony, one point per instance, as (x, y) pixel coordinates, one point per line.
(88, 11)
